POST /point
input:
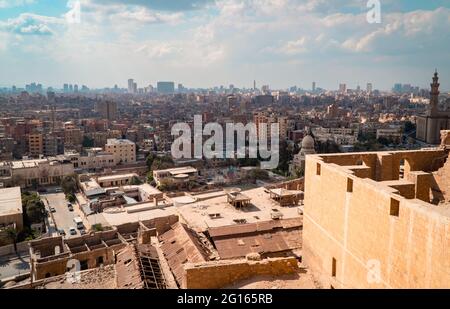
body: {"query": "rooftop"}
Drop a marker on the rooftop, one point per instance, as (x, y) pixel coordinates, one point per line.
(116, 177)
(115, 141)
(178, 170)
(202, 214)
(10, 201)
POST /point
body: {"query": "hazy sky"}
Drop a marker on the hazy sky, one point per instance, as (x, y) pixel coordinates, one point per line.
(203, 43)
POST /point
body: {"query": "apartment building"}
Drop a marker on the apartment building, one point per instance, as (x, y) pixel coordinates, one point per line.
(123, 150)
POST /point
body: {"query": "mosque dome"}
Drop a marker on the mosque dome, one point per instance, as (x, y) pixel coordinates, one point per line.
(308, 142)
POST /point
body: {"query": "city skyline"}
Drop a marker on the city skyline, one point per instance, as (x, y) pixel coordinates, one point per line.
(203, 43)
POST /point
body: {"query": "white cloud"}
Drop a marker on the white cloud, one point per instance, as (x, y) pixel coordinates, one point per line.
(30, 24)
(12, 3)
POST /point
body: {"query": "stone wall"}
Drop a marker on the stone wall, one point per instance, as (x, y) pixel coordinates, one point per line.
(215, 275)
(442, 181)
(361, 233)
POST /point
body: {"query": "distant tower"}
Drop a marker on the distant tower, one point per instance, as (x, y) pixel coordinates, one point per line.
(254, 84)
(313, 86)
(434, 95)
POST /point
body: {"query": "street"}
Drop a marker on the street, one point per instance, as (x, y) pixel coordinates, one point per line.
(63, 217)
(14, 265)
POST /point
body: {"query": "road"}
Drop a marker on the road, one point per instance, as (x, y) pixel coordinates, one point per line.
(14, 265)
(63, 217)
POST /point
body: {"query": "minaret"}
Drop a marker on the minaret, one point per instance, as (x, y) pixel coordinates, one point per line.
(434, 95)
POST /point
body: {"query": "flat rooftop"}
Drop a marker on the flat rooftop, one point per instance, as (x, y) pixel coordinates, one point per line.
(134, 214)
(261, 208)
(10, 201)
(115, 141)
(116, 177)
(178, 170)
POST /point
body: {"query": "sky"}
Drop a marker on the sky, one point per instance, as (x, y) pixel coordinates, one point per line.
(205, 43)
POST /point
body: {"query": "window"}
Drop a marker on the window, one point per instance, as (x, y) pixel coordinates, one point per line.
(83, 265)
(394, 208)
(318, 169)
(349, 185)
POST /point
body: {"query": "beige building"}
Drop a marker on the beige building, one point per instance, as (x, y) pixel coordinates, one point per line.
(176, 175)
(367, 224)
(11, 208)
(96, 159)
(116, 180)
(123, 150)
(38, 172)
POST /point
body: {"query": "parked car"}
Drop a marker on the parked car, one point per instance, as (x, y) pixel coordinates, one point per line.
(72, 231)
(61, 232)
(52, 209)
(70, 208)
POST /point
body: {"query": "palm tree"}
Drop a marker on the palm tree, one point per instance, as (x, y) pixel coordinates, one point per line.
(12, 234)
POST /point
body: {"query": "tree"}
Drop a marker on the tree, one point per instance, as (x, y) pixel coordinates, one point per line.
(160, 163)
(97, 227)
(150, 177)
(34, 209)
(149, 160)
(69, 184)
(88, 142)
(135, 181)
(71, 197)
(12, 235)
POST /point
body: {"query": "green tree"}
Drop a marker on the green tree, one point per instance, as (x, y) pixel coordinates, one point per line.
(69, 184)
(88, 142)
(160, 163)
(71, 197)
(97, 227)
(135, 181)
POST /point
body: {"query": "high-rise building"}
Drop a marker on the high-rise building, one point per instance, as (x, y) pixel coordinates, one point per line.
(75, 88)
(313, 86)
(107, 109)
(165, 87)
(369, 87)
(342, 88)
(397, 88)
(66, 88)
(131, 85)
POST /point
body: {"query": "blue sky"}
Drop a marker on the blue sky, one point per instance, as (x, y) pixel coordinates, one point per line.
(203, 43)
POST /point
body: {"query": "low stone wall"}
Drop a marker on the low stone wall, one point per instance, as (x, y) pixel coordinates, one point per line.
(216, 275)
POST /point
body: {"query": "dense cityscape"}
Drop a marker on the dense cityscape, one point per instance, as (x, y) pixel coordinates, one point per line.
(166, 186)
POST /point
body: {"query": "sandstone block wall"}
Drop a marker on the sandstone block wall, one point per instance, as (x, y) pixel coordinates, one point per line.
(362, 234)
(216, 275)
